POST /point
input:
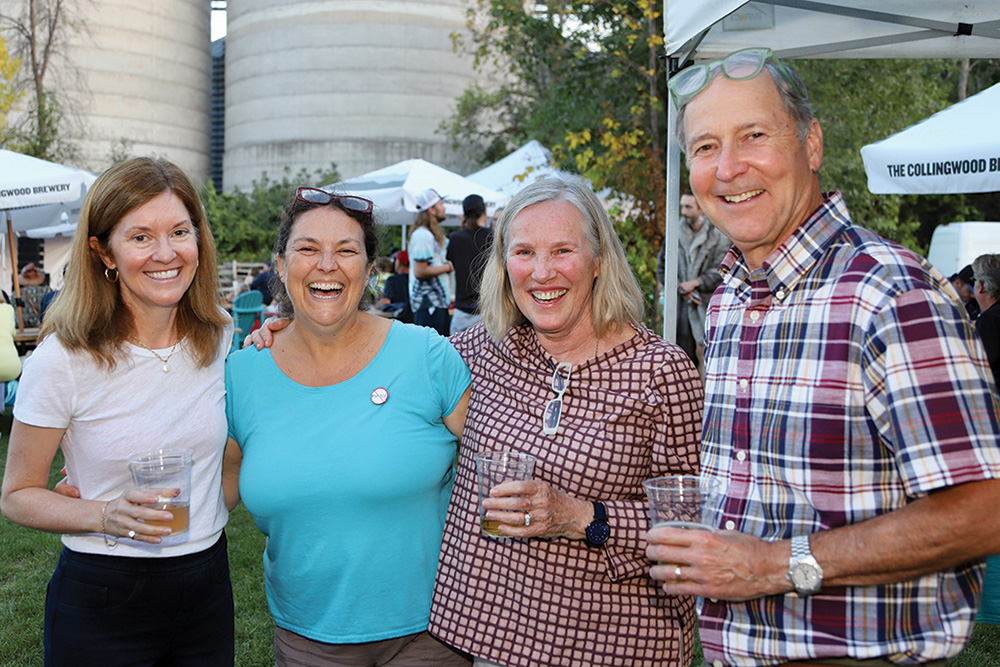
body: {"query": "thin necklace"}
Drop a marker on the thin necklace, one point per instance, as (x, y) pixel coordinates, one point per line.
(165, 362)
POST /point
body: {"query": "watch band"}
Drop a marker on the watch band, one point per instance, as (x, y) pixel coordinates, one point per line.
(800, 546)
(600, 512)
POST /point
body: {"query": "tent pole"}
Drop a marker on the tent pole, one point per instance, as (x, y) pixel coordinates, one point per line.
(672, 231)
(13, 268)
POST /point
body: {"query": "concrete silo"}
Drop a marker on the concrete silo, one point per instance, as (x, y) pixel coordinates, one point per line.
(141, 71)
(360, 84)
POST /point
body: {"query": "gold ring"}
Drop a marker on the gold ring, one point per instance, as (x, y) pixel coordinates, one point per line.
(677, 574)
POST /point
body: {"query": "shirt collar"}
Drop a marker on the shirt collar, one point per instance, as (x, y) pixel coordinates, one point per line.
(793, 258)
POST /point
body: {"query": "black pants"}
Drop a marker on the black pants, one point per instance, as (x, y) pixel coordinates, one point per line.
(107, 611)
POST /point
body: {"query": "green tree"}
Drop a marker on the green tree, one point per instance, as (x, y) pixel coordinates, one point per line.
(245, 224)
(862, 101)
(9, 95)
(583, 78)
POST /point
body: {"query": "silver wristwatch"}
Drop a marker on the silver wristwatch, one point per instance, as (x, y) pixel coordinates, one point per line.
(803, 570)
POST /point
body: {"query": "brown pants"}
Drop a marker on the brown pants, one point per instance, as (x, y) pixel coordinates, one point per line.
(419, 650)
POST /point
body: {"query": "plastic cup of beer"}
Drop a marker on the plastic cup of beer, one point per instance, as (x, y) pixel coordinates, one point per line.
(167, 473)
(682, 501)
(493, 468)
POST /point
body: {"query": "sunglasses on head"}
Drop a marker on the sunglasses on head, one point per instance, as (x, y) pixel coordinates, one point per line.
(322, 197)
(740, 65)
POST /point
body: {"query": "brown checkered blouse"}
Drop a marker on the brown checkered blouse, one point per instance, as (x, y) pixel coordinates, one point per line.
(629, 414)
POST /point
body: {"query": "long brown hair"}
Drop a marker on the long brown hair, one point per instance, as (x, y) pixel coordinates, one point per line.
(89, 313)
(425, 219)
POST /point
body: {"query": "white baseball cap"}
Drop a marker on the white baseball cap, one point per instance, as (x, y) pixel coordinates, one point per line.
(428, 198)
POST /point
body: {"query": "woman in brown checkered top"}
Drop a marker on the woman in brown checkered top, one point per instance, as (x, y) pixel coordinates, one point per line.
(563, 369)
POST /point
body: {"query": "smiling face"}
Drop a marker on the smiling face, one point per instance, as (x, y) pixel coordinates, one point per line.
(755, 180)
(154, 248)
(325, 269)
(552, 268)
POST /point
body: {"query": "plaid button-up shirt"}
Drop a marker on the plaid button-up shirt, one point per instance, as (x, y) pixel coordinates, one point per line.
(843, 381)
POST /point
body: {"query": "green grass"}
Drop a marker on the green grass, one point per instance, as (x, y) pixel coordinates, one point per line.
(27, 558)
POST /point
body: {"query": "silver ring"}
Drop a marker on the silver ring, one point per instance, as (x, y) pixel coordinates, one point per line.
(527, 519)
(131, 534)
(677, 574)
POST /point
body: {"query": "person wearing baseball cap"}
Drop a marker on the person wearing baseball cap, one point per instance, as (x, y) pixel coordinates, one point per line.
(430, 288)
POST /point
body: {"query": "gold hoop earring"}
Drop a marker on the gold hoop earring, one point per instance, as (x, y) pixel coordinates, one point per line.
(107, 274)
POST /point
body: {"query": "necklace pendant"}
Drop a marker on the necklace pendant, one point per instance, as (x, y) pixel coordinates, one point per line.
(166, 368)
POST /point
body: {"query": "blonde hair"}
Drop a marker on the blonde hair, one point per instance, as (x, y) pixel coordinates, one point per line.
(616, 298)
(89, 313)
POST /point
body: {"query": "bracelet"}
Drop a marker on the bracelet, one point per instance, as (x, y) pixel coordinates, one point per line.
(104, 531)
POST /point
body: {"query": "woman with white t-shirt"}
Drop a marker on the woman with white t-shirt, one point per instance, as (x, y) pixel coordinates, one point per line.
(132, 360)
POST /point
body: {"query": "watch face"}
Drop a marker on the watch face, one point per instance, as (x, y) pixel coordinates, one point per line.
(806, 578)
(598, 532)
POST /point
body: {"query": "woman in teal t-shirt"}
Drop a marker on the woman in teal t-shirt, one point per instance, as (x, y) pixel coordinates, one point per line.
(343, 436)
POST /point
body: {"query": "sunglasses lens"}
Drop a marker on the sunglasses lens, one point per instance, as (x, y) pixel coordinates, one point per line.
(315, 196)
(550, 418)
(744, 64)
(356, 204)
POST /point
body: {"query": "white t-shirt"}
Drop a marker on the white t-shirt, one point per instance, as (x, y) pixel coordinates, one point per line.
(131, 409)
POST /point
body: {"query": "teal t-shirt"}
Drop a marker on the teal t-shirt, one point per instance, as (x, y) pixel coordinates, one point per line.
(350, 484)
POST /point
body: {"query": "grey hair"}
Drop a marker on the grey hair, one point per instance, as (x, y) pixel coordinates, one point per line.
(986, 268)
(791, 89)
(617, 299)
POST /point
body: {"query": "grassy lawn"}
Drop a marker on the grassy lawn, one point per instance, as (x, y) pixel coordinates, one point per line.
(27, 558)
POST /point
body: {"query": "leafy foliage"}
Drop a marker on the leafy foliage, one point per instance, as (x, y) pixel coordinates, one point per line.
(584, 79)
(862, 101)
(245, 224)
(9, 95)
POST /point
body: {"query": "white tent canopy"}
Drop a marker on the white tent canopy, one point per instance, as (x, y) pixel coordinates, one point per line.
(37, 198)
(43, 198)
(844, 29)
(955, 150)
(395, 188)
(516, 170)
(708, 29)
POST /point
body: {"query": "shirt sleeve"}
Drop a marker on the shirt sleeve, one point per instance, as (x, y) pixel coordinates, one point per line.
(421, 246)
(674, 452)
(46, 392)
(929, 394)
(447, 370)
(237, 377)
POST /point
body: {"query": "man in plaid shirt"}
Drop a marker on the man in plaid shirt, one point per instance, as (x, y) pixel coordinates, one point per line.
(850, 417)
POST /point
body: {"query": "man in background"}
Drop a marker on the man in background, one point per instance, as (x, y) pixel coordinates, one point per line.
(430, 286)
(467, 250)
(702, 249)
(964, 283)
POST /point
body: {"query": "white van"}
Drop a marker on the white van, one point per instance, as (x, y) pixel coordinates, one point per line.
(956, 244)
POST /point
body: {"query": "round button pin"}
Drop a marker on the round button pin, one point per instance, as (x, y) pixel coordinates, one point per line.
(380, 396)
